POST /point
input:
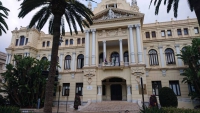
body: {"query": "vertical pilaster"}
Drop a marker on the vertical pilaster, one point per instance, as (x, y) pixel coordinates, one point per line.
(139, 44)
(145, 57)
(9, 59)
(121, 51)
(73, 61)
(161, 56)
(93, 46)
(49, 57)
(178, 52)
(87, 47)
(104, 50)
(60, 62)
(99, 90)
(131, 44)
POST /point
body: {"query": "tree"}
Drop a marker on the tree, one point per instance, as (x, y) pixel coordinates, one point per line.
(73, 11)
(194, 5)
(3, 14)
(24, 82)
(191, 56)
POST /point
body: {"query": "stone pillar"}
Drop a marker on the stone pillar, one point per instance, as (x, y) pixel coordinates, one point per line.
(73, 61)
(139, 44)
(161, 56)
(178, 52)
(104, 51)
(145, 57)
(9, 59)
(99, 90)
(49, 57)
(60, 62)
(131, 44)
(87, 42)
(129, 93)
(121, 51)
(93, 47)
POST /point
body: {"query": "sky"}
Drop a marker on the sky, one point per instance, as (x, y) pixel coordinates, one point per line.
(13, 21)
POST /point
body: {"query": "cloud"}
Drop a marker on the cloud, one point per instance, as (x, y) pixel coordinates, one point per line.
(13, 21)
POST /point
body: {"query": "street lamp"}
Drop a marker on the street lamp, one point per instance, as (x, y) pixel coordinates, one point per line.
(60, 40)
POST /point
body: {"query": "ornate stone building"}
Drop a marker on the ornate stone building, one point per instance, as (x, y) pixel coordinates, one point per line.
(106, 62)
(2, 65)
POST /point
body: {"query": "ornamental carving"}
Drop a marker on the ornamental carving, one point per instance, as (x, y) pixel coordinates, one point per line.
(138, 71)
(113, 32)
(89, 74)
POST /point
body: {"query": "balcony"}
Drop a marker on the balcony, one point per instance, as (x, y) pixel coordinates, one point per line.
(113, 65)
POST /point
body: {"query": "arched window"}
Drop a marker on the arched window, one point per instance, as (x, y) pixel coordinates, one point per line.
(153, 57)
(44, 58)
(80, 61)
(43, 44)
(170, 58)
(115, 59)
(68, 62)
(100, 58)
(78, 41)
(126, 58)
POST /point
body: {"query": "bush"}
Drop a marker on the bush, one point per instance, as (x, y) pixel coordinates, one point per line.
(9, 110)
(2, 101)
(167, 97)
(168, 110)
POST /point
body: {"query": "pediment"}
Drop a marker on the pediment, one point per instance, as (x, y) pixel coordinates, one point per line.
(116, 14)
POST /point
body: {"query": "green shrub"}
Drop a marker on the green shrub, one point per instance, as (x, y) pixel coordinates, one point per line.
(167, 97)
(9, 110)
(2, 100)
(168, 110)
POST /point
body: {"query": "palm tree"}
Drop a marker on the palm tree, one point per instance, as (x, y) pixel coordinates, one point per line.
(194, 5)
(73, 11)
(3, 14)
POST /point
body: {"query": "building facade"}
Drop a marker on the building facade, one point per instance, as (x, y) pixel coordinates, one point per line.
(2, 67)
(107, 61)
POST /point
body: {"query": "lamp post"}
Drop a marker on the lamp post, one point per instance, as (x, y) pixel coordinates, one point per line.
(59, 98)
(142, 92)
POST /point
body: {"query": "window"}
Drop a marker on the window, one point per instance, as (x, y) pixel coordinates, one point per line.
(79, 89)
(43, 44)
(83, 40)
(16, 43)
(174, 85)
(191, 88)
(170, 58)
(65, 89)
(196, 30)
(185, 31)
(100, 58)
(44, 58)
(115, 59)
(179, 32)
(68, 62)
(156, 86)
(48, 43)
(80, 62)
(147, 35)
(26, 41)
(163, 33)
(78, 41)
(153, 57)
(71, 41)
(22, 38)
(169, 32)
(66, 42)
(153, 33)
(126, 58)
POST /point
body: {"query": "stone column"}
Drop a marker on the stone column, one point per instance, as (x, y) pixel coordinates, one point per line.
(93, 47)
(131, 44)
(161, 56)
(73, 61)
(139, 44)
(104, 51)
(129, 93)
(145, 57)
(87, 47)
(99, 90)
(49, 57)
(60, 62)
(178, 52)
(121, 51)
(9, 59)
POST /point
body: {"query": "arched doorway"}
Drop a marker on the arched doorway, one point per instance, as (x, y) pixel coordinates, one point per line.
(114, 89)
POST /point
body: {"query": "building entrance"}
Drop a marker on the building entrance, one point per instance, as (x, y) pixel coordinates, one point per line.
(116, 92)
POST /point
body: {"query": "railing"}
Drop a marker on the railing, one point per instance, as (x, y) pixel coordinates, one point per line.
(112, 64)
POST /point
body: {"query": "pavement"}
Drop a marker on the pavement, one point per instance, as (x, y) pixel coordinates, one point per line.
(101, 107)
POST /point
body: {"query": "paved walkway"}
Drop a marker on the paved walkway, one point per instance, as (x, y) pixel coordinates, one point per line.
(102, 107)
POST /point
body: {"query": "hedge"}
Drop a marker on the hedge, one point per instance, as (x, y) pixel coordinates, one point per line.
(169, 110)
(9, 109)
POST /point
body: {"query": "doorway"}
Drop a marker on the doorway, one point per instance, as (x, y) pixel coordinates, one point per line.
(116, 92)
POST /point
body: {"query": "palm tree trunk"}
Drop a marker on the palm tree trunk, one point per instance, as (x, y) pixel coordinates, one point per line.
(196, 4)
(52, 71)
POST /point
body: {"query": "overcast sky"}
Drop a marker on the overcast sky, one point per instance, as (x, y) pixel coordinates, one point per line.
(13, 21)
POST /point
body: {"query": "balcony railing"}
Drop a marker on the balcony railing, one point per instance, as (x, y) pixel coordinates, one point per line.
(113, 64)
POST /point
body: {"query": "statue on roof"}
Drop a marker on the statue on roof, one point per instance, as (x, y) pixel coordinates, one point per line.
(134, 2)
(90, 5)
(134, 6)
